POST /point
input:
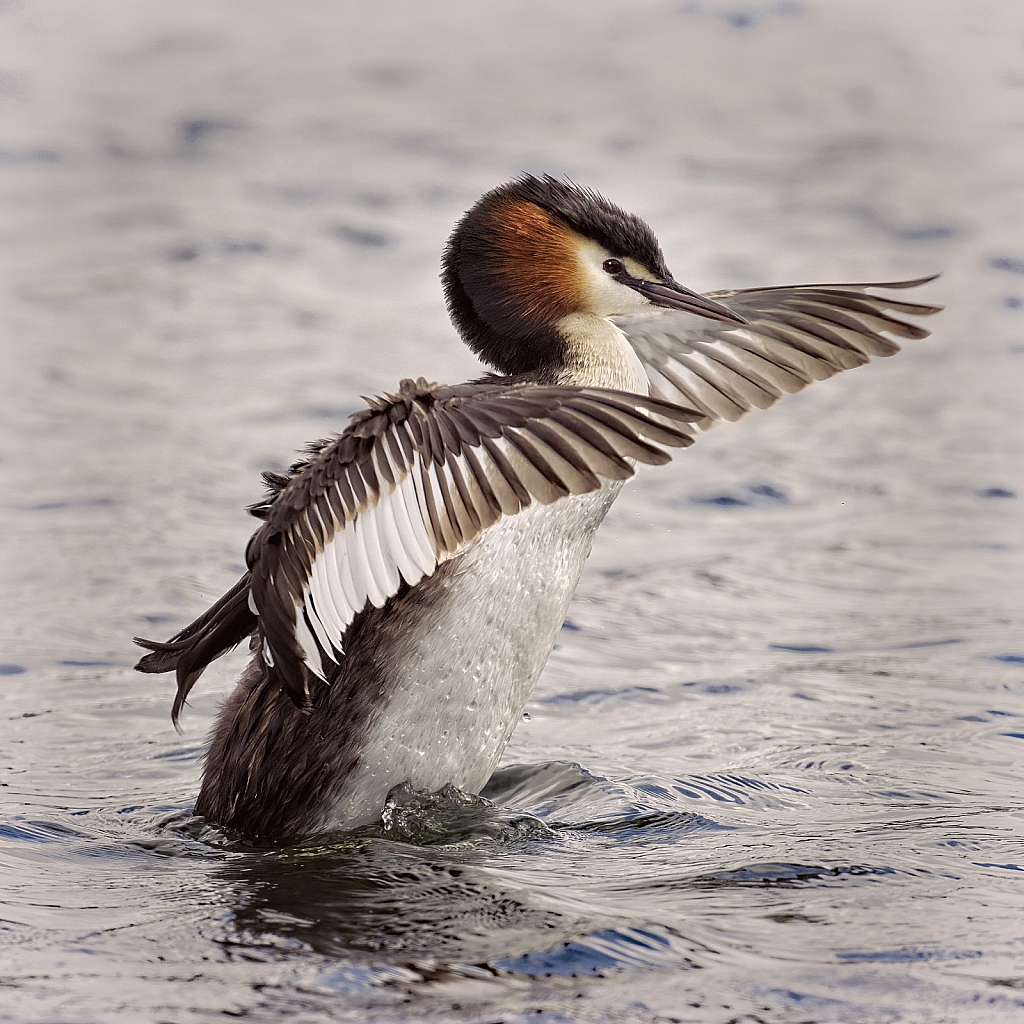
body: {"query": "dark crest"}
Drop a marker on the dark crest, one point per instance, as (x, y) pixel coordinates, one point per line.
(594, 217)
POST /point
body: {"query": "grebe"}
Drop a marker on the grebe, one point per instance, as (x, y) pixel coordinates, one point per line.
(411, 575)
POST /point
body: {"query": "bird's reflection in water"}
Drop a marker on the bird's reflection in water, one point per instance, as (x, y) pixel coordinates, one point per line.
(419, 889)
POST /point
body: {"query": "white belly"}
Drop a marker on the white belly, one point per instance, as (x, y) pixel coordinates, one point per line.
(457, 688)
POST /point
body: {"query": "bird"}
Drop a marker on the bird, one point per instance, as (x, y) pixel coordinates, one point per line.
(410, 574)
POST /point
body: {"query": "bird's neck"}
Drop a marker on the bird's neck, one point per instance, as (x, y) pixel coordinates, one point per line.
(597, 355)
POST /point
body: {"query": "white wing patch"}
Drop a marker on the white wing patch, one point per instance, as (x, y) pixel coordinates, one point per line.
(365, 561)
(389, 542)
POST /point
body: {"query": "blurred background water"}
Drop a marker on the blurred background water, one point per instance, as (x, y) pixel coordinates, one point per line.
(772, 771)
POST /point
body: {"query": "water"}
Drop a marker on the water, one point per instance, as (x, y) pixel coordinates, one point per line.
(771, 772)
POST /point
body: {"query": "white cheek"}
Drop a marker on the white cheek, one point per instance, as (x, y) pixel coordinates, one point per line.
(609, 297)
(604, 295)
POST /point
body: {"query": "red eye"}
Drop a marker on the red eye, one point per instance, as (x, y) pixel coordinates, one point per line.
(613, 266)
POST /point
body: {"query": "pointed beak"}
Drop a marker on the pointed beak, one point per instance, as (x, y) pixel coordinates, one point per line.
(675, 296)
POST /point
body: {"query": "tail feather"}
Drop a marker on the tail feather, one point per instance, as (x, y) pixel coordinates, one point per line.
(225, 624)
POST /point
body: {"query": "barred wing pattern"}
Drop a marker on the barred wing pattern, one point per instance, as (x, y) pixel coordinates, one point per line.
(421, 474)
(795, 335)
(413, 481)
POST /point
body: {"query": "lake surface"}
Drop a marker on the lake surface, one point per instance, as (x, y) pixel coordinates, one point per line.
(772, 771)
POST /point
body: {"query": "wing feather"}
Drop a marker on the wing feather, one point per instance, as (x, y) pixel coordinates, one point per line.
(630, 443)
(381, 465)
(814, 342)
(311, 654)
(862, 319)
(508, 488)
(335, 604)
(448, 521)
(425, 540)
(572, 453)
(414, 543)
(451, 443)
(384, 573)
(314, 620)
(786, 360)
(393, 545)
(847, 345)
(359, 559)
(488, 506)
(847, 297)
(559, 471)
(737, 376)
(535, 472)
(328, 597)
(512, 497)
(776, 380)
(343, 560)
(428, 507)
(604, 455)
(671, 434)
(482, 421)
(793, 335)
(470, 523)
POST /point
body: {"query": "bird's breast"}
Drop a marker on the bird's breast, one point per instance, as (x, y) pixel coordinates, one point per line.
(454, 688)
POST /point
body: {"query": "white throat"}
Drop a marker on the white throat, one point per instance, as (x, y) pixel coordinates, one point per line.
(598, 355)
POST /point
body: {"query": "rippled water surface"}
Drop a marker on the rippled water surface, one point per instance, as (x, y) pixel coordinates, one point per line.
(773, 769)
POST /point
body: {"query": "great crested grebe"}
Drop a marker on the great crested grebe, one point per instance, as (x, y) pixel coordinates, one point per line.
(411, 575)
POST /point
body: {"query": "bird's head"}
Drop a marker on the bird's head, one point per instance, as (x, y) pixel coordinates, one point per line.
(537, 250)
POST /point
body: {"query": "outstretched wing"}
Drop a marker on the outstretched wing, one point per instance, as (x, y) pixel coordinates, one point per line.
(794, 335)
(417, 478)
(412, 482)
